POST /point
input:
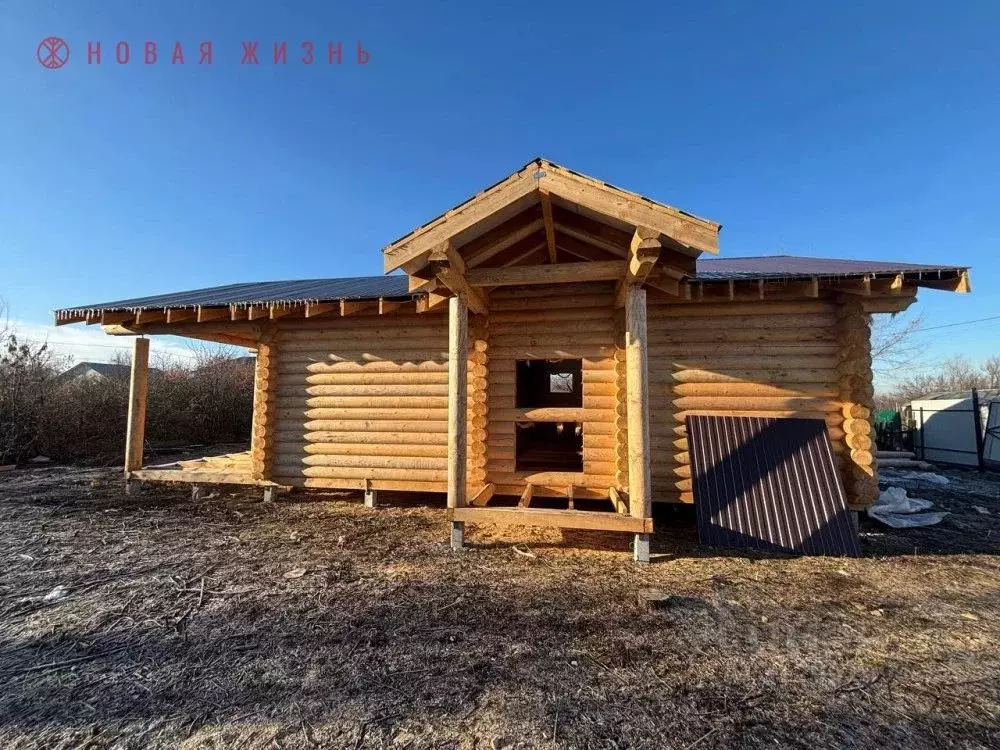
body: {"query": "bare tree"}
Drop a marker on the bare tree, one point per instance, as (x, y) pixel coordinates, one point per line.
(893, 341)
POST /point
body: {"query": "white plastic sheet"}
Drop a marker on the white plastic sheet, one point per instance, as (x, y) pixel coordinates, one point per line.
(894, 508)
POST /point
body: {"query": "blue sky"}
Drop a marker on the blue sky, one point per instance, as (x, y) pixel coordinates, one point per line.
(864, 130)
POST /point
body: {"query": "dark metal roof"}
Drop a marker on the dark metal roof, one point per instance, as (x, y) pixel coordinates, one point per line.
(793, 266)
(373, 287)
(768, 484)
(263, 293)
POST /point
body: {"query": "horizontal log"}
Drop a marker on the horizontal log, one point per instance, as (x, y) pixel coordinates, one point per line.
(374, 463)
(602, 310)
(667, 422)
(363, 321)
(566, 350)
(662, 361)
(290, 447)
(429, 414)
(361, 357)
(788, 337)
(749, 309)
(500, 376)
(361, 402)
(342, 472)
(358, 483)
(772, 376)
(301, 378)
(814, 390)
(553, 339)
(363, 425)
(593, 468)
(588, 520)
(552, 414)
(385, 333)
(749, 355)
(551, 478)
(358, 390)
(514, 489)
(283, 435)
(754, 403)
(806, 323)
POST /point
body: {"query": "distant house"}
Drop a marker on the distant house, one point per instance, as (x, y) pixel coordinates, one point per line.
(93, 371)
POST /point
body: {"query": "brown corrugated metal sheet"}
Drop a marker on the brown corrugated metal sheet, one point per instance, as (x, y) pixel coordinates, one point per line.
(770, 485)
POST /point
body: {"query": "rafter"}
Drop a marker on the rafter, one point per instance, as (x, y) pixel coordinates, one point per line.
(498, 239)
(451, 272)
(550, 229)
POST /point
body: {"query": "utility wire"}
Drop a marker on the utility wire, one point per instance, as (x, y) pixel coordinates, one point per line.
(952, 325)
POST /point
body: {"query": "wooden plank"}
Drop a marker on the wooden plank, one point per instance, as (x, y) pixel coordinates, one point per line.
(558, 273)
(458, 338)
(353, 307)
(321, 308)
(452, 275)
(616, 500)
(550, 229)
(637, 398)
(526, 496)
(206, 314)
(181, 315)
(135, 435)
(564, 519)
(482, 497)
(146, 317)
(386, 306)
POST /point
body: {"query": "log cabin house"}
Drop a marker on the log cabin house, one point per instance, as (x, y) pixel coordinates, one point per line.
(542, 346)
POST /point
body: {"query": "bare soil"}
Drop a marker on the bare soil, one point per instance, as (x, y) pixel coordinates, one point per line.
(313, 622)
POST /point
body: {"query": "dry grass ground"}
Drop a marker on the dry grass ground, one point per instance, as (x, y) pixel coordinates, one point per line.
(313, 622)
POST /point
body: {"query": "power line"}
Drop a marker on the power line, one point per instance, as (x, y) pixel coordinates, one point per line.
(962, 323)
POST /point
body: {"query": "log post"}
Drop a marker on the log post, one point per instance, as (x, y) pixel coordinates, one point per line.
(264, 411)
(138, 385)
(458, 386)
(639, 481)
(856, 394)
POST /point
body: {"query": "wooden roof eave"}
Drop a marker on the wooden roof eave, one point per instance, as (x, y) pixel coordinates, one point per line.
(680, 231)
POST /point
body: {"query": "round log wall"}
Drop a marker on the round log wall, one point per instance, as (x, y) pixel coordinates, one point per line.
(767, 359)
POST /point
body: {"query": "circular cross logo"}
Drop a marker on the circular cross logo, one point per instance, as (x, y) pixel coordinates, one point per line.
(53, 53)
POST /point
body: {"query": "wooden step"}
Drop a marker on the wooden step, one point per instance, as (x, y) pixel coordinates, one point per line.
(564, 519)
(905, 463)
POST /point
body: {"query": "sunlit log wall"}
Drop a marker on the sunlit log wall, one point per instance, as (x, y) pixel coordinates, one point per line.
(767, 358)
(570, 321)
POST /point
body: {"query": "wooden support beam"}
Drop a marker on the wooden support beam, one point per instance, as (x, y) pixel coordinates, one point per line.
(148, 317)
(451, 273)
(354, 306)
(960, 283)
(583, 250)
(386, 306)
(497, 240)
(483, 496)
(520, 257)
(644, 251)
(206, 314)
(182, 315)
(862, 286)
(616, 500)
(431, 301)
(116, 317)
(529, 492)
(316, 309)
(458, 374)
(550, 228)
(637, 398)
(564, 519)
(135, 435)
(571, 497)
(549, 274)
(887, 304)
